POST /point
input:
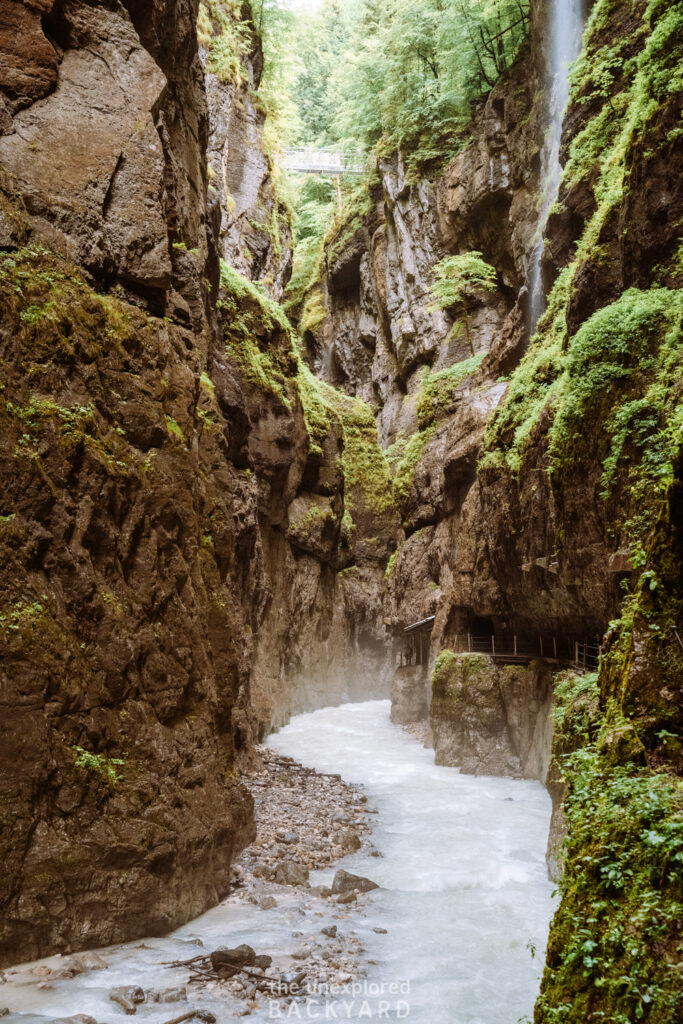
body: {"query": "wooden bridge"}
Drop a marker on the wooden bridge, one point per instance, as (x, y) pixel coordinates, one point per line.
(324, 161)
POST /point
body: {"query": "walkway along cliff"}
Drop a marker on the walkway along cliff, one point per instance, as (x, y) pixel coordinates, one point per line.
(208, 523)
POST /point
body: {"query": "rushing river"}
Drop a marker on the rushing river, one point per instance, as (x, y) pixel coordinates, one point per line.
(464, 898)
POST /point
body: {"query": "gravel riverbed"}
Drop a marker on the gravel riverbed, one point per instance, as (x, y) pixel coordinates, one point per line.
(307, 821)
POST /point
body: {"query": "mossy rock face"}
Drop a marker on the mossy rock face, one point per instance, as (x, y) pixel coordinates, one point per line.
(120, 629)
(15, 225)
(467, 715)
(314, 526)
(489, 718)
(595, 406)
(614, 944)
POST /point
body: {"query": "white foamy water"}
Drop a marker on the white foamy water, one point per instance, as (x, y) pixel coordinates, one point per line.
(463, 875)
(464, 893)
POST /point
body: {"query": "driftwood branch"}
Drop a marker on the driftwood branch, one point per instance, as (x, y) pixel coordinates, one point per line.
(202, 969)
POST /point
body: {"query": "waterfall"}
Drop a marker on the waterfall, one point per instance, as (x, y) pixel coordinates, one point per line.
(565, 24)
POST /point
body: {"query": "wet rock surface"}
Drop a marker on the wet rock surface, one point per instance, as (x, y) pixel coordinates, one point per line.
(163, 620)
(304, 823)
(305, 820)
(491, 719)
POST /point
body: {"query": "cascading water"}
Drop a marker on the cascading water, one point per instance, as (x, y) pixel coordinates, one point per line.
(565, 23)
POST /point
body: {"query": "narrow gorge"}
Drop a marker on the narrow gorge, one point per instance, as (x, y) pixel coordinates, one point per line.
(284, 454)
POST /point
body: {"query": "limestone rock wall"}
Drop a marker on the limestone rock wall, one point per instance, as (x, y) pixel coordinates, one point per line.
(255, 234)
(163, 598)
(381, 330)
(382, 336)
(124, 675)
(490, 719)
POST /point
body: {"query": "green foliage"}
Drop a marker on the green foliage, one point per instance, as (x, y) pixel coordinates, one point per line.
(208, 385)
(613, 940)
(322, 231)
(317, 412)
(346, 221)
(576, 708)
(437, 389)
(639, 88)
(366, 474)
(392, 563)
(271, 362)
(324, 39)
(369, 507)
(226, 37)
(618, 377)
(98, 763)
(607, 402)
(533, 387)
(21, 613)
(276, 26)
(314, 311)
(258, 308)
(77, 426)
(443, 664)
(407, 454)
(258, 335)
(402, 74)
(174, 428)
(314, 210)
(456, 276)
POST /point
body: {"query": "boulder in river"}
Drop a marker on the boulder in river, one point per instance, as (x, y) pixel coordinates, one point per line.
(128, 997)
(231, 961)
(168, 995)
(321, 890)
(288, 872)
(349, 841)
(347, 897)
(90, 961)
(344, 882)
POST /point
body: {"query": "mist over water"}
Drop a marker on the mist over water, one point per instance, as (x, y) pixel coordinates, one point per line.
(565, 25)
(465, 896)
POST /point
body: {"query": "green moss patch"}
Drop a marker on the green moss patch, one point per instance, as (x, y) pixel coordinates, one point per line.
(614, 947)
(437, 390)
(404, 457)
(106, 767)
(258, 335)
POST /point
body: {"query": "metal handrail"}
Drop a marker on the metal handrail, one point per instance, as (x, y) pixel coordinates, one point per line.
(324, 161)
(560, 649)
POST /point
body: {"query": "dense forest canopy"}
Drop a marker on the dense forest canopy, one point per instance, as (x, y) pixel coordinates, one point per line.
(376, 76)
(389, 73)
(399, 73)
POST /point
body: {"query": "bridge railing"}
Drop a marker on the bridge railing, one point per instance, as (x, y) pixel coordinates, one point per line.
(324, 161)
(580, 654)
